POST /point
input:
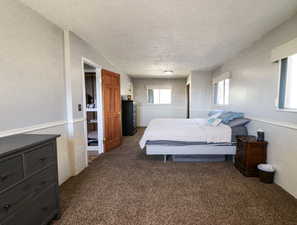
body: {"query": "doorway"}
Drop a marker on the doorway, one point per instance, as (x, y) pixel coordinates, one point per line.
(188, 100)
(92, 110)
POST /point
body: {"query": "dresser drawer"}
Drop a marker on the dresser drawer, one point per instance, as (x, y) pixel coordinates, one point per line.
(28, 179)
(11, 171)
(44, 179)
(14, 198)
(36, 211)
(47, 204)
(39, 158)
(24, 216)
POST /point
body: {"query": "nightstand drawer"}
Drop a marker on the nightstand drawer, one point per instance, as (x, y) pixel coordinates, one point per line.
(39, 158)
(11, 171)
(240, 152)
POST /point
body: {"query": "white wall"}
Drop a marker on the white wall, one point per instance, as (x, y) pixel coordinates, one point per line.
(33, 87)
(31, 52)
(80, 49)
(200, 93)
(146, 112)
(32, 77)
(126, 85)
(254, 90)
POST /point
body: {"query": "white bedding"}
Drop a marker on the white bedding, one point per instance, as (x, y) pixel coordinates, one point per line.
(187, 130)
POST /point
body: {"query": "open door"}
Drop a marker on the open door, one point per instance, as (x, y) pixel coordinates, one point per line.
(112, 109)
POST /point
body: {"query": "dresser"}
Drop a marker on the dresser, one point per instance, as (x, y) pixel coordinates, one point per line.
(129, 117)
(249, 153)
(29, 191)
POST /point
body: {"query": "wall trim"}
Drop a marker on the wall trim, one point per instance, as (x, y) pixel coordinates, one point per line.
(79, 120)
(47, 125)
(162, 107)
(32, 128)
(40, 126)
(288, 125)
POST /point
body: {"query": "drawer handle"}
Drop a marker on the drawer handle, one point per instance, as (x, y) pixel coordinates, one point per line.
(5, 176)
(45, 208)
(43, 159)
(6, 206)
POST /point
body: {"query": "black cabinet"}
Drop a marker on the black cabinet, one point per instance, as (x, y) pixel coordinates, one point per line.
(129, 117)
(29, 191)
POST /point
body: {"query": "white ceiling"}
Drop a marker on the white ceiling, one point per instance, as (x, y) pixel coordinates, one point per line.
(146, 37)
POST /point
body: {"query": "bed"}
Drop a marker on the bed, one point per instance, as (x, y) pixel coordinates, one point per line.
(189, 137)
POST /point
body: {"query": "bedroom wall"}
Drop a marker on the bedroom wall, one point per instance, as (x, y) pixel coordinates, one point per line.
(146, 112)
(200, 93)
(254, 86)
(28, 61)
(78, 49)
(32, 78)
(33, 82)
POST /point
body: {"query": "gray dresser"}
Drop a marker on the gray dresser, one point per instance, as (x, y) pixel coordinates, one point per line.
(29, 193)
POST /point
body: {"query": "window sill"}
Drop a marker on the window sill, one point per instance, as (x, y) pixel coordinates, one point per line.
(286, 110)
(159, 104)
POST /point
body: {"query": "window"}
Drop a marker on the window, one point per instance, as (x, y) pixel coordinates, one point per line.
(288, 83)
(221, 92)
(159, 96)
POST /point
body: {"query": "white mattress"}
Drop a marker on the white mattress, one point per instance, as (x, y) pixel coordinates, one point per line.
(186, 130)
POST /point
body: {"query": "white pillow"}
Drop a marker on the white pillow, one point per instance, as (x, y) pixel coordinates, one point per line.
(214, 122)
(215, 116)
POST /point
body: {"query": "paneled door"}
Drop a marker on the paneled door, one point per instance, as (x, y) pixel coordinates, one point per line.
(112, 109)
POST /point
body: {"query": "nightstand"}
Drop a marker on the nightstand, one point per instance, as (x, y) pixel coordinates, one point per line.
(249, 153)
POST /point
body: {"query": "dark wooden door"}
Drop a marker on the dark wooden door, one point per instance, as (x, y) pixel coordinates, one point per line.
(112, 109)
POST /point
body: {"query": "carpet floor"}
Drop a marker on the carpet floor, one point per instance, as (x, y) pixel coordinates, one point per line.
(126, 187)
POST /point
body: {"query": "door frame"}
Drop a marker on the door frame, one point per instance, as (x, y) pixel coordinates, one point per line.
(188, 90)
(100, 116)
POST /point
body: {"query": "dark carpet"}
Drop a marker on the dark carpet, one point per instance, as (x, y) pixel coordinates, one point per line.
(126, 187)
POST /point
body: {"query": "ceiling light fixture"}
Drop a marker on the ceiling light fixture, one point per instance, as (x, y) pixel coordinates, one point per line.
(168, 72)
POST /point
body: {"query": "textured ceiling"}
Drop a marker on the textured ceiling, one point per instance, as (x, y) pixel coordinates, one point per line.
(146, 37)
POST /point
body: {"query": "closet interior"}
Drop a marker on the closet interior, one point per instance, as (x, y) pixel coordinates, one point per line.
(91, 91)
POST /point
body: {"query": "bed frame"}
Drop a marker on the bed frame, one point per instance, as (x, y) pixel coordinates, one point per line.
(190, 150)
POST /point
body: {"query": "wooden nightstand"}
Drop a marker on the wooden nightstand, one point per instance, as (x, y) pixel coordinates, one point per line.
(249, 153)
